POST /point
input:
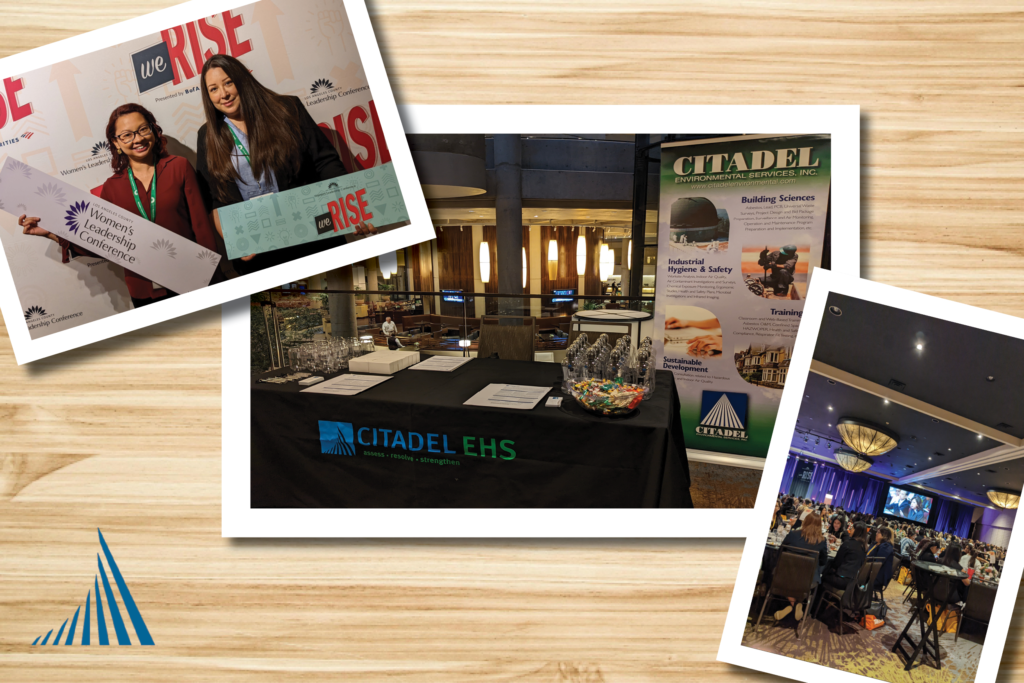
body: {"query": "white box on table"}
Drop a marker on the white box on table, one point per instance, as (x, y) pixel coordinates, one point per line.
(384, 362)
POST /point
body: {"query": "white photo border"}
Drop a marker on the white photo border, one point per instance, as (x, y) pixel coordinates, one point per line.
(420, 228)
(823, 283)
(842, 122)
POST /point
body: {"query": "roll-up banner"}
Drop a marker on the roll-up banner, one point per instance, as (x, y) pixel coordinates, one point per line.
(741, 225)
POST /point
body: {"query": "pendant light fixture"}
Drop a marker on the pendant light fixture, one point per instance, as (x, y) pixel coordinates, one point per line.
(866, 438)
(852, 462)
(1004, 498)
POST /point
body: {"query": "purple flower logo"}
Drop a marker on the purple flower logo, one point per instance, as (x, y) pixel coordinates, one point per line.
(74, 215)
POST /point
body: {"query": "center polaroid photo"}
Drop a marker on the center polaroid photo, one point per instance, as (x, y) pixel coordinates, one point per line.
(883, 545)
(594, 344)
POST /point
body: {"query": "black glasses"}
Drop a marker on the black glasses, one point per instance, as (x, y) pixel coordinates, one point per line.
(127, 136)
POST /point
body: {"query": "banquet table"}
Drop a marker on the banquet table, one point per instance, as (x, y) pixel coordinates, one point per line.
(561, 457)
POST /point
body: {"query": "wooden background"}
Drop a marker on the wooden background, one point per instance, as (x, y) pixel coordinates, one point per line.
(125, 434)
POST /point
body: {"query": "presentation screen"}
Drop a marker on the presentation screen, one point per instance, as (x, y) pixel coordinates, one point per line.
(909, 505)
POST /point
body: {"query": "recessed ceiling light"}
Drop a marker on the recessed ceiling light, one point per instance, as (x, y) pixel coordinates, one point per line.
(979, 436)
(830, 407)
(934, 420)
(831, 381)
(949, 449)
(929, 457)
(920, 346)
(886, 400)
(835, 310)
(990, 378)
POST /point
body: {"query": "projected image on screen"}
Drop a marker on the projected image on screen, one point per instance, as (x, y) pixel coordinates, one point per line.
(908, 505)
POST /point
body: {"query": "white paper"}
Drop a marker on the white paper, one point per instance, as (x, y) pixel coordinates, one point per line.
(347, 385)
(441, 363)
(508, 396)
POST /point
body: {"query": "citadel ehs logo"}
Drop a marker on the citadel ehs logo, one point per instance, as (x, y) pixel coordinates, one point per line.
(342, 438)
(723, 415)
(73, 215)
(95, 598)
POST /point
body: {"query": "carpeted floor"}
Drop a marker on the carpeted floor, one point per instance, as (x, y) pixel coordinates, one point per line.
(718, 486)
(868, 653)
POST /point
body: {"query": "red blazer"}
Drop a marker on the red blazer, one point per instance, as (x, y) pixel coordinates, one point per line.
(179, 208)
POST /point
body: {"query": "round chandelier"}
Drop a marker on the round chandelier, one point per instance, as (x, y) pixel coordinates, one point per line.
(852, 462)
(1004, 498)
(866, 438)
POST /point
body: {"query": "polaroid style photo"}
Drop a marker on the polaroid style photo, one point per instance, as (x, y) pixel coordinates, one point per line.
(192, 156)
(882, 546)
(733, 226)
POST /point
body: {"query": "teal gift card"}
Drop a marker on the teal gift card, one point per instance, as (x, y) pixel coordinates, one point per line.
(320, 211)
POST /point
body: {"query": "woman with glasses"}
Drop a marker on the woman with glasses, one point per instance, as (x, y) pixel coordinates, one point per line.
(158, 186)
(256, 142)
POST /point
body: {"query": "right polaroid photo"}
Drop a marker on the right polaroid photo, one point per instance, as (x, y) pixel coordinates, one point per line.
(883, 544)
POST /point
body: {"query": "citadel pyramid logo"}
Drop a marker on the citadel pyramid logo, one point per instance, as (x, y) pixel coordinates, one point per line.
(723, 415)
(337, 438)
(97, 625)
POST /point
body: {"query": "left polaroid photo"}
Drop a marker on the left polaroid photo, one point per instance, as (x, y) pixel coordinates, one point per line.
(192, 156)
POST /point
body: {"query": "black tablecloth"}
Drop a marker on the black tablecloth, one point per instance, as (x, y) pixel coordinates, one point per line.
(562, 457)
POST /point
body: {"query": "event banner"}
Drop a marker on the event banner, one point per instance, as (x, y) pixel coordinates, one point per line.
(105, 229)
(313, 212)
(741, 224)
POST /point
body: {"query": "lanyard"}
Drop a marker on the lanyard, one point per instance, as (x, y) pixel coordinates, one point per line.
(245, 153)
(152, 195)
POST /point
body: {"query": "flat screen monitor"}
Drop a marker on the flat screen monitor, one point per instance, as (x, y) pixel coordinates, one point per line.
(452, 295)
(909, 505)
(562, 293)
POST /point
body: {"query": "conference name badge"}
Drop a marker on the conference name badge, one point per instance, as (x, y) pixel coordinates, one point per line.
(318, 211)
(105, 229)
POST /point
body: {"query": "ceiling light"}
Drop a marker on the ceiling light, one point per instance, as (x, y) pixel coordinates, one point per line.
(835, 310)
(852, 462)
(1004, 498)
(887, 400)
(866, 438)
(990, 378)
(830, 407)
(831, 381)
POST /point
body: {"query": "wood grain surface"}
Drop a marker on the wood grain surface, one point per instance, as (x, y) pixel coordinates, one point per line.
(125, 434)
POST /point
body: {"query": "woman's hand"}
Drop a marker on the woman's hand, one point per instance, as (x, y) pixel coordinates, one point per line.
(30, 226)
(363, 228)
(250, 257)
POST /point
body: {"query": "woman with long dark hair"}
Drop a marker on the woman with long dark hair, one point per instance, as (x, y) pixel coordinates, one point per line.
(256, 142)
(160, 187)
(848, 560)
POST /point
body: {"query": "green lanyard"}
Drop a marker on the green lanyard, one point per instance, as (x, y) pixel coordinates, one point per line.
(152, 195)
(245, 153)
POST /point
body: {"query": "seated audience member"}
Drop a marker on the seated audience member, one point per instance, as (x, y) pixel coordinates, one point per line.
(837, 528)
(928, 550)
(883, 548)
(909, 544)
(847, 563)
(957, 587)
(809, 537)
